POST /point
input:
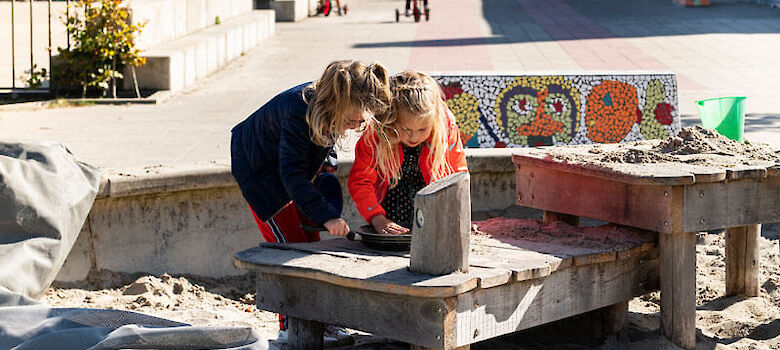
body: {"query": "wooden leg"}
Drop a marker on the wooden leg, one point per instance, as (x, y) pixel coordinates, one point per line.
(742, 256)
(304, 334)
(549, 216)
(678, 287)
(614, 317)
(418, 347)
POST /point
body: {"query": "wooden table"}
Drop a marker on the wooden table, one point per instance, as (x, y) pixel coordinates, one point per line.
(674, 199)
(511, 284)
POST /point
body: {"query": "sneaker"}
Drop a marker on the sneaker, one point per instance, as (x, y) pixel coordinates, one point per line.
(339, 8)
(406, 13)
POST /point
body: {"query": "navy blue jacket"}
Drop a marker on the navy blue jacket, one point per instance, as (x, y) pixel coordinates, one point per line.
(274, 160)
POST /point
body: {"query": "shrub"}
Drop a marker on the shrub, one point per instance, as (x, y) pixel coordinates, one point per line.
(102, 42)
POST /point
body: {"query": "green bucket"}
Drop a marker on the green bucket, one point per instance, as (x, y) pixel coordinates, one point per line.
(724, 114)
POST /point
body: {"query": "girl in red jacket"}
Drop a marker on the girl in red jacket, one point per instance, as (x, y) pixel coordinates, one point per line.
(416, 143)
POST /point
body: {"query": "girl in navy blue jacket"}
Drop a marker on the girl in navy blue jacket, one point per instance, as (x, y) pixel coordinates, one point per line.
(278, 151)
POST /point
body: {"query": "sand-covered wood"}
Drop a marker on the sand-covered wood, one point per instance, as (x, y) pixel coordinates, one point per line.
(502, 251)
(694, 155)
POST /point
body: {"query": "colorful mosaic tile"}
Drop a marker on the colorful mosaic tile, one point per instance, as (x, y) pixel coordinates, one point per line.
(537, 110)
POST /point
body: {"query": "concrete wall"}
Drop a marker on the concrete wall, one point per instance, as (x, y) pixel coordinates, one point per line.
(194, 222)
(167, 20)
(179, 63)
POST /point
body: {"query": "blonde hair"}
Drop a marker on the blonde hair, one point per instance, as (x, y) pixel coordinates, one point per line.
(345, 86)
(416, 97)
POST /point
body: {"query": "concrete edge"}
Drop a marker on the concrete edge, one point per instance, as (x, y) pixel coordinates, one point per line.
(485, 160)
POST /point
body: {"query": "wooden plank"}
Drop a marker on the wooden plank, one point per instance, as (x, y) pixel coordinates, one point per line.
(415, 320)
(442, 226)
(587, 160)
(678, 288)
(597, 258)
(742, 260)
(747, 172)
(532, 250)
(338, 247)
(646, 207)
(304, 334)
(645, 174)
(521, 268)
(551, 216)
(614, 317)
(731, 204)
(487, 313)
(379, 273)
(773, 170)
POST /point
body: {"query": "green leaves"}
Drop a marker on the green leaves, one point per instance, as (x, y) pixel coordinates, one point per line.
(102, 42)
(35, 77)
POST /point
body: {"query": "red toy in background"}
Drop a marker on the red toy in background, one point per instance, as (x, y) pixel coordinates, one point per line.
(326, 6)
(416, 11)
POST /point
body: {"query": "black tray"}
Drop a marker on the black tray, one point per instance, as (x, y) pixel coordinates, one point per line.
(374, 240)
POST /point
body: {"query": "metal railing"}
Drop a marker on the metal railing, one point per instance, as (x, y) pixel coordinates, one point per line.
(13, 86)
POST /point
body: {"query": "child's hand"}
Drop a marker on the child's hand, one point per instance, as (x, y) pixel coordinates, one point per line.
(337, 227)
(386, 226)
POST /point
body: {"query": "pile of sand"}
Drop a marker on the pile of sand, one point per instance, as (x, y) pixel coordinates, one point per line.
(693, 145)
(195, 300)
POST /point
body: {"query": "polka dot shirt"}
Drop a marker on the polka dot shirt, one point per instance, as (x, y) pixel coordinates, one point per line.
(399, 201)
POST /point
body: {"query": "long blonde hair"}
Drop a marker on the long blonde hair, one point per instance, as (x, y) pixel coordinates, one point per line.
(415, 95)
(345, 86)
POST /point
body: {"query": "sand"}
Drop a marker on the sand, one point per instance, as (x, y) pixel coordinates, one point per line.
(722, 322)
(693, 148)
(190, 299)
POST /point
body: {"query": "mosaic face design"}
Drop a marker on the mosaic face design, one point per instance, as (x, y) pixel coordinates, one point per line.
(465, 107)
(538, 111)
(535, 110)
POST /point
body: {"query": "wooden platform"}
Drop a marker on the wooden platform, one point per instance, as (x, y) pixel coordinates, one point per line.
(675, 198)
(513, 283)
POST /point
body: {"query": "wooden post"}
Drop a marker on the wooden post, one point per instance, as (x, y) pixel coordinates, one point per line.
(614, 317)
(442, 220)
(678, 287)
(304, 334)
(742, 256)
(550, 217)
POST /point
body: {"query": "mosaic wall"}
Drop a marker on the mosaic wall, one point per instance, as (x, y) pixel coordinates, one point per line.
(543, 110)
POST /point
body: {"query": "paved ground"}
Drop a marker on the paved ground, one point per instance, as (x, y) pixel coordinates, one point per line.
(730, 48)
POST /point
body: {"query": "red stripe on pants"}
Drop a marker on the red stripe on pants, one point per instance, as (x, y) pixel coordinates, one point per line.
(288, 222)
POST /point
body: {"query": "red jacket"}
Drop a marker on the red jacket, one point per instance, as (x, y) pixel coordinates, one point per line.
(368, 189)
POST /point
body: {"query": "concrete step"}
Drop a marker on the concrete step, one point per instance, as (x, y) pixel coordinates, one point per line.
(179, 63)
(166, 20)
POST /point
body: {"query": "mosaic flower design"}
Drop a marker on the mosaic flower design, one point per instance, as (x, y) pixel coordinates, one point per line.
(610, 111)
(534, 110)
(465, 107)
(656, 112)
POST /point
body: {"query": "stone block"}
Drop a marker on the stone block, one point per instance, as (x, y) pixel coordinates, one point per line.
(290, 10)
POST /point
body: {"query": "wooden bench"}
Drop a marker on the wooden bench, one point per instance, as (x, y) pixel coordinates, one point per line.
(506, 283)
(674, 199)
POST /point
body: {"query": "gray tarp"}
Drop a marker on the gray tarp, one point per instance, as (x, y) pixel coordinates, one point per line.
(45, 196)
